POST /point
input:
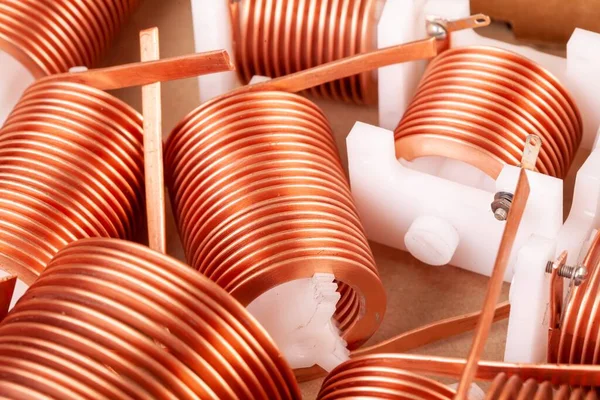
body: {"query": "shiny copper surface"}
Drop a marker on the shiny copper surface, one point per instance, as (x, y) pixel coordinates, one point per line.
(278, 37)
(51, 36)
(494, 287)
(110, 319)
(261, 198)
(479, 104)
(576, 336)
(401, 376)
(71, 166)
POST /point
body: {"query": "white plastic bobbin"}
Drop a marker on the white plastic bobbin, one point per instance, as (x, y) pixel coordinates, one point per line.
(299, 317)
(15, 79)
(393, 198)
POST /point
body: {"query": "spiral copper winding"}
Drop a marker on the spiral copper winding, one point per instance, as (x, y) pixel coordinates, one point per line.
(479, 104)
(276, 38)
(110, 319)
(71, 166)
(396, 376)
(51, 36)
(261, 199)
(574, 335)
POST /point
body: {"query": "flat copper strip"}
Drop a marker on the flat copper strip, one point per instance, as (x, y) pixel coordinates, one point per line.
(495, 283)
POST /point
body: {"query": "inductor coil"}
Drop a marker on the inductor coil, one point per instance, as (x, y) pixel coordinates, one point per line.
(261, 199)
(514, 388)
(52, 36)
(110, 319)
(278, 37)
(479, 104)
(71, 166)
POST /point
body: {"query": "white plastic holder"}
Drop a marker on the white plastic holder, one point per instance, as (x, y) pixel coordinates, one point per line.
(439, 220)
(15, 79)
(527, 338)
(299, 317)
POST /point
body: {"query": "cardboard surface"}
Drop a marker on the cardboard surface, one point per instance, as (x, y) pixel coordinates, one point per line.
(543, 21)
(417, 294)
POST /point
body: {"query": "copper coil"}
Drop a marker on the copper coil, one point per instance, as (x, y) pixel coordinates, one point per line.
(278, 37)
(71, 166)
(578, 339)
(261, 199)
(51, 36)
(110, 319)
(478, 104)
(514, 388)
(375, 377)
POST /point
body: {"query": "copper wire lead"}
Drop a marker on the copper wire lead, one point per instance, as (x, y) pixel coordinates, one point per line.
(276, 38)
(479, 104)
(110, 319)
(51, 36)
(71, 166)
(261, 199)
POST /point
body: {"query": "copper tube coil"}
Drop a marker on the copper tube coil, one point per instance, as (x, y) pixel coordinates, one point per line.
(51, 36)
(577, 339)
(110, 319)
(400, 376)
(513, 388)
(278, 37)
(261, 199)
(478, 104)
(373, 378)
(71, 166)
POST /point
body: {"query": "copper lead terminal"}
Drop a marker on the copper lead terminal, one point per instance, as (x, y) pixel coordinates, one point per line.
(533, 144)
(153, 147)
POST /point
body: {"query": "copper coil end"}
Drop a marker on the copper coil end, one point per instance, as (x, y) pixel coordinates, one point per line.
(479, 104)
(261, 199)
(376, 377)
(71, 166)
(110, 319)
(52, 36)
(277, 38)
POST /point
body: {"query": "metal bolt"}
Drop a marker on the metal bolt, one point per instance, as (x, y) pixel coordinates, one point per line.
(436, 30)
(578, 273)
(501, 205)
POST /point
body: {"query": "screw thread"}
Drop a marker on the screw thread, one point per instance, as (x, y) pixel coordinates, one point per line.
(565, 271)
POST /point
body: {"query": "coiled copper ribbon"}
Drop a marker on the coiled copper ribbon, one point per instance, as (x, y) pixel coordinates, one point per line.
(261, 198)
(51, 36)
(110, 319)
(278, 37)
(71, 166)
(400, 376)
(575, 327)
(479, 104)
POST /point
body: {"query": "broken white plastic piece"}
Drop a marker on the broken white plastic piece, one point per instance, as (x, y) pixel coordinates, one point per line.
(298, 315)
(475, 392)
(15, 79)
(392, 196)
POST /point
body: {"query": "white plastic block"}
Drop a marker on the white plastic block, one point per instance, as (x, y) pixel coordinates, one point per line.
(475, 392)
(15, 79)
(432, 240)
(527, 336)
(390, 197)
(212, 31)
(298, 315)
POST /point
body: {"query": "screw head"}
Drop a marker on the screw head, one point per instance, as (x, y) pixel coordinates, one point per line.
(436, 30)
(580, 275)
(501, 214)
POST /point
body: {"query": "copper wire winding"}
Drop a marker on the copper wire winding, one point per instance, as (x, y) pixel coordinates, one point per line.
(578, 338)
(110, 319)
(51, 36)
(399, 376)
(478, 104)
(275, 38)
(261, 198)
(71, 166)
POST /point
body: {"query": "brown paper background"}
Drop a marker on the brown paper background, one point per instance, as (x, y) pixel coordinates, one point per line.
(417, 294)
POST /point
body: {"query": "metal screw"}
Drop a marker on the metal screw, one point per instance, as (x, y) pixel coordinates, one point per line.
(501, 205)
(436, 30)
(577, 273)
